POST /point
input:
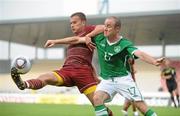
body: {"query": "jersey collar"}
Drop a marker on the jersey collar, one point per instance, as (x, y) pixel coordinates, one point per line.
(114, 42)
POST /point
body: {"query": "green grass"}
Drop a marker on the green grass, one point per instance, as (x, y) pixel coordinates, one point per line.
(12, 109)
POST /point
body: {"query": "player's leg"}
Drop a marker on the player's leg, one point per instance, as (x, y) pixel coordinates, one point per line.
(143, 108)
(100, 108)
(174, 98)
(126, 105)
(39, 82)
(86, 82)
(104, 91)
(134, 109)
(128, 88)
(89, 92)
(172, 90)
(44, 79)
(177, 94)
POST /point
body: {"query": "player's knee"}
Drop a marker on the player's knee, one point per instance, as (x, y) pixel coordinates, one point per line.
(97, 100)
(48, 79)
(42, 78)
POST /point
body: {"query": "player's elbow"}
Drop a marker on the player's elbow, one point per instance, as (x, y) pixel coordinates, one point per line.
(138, 53)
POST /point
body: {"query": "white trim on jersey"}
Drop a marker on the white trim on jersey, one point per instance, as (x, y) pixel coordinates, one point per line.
(112, 43)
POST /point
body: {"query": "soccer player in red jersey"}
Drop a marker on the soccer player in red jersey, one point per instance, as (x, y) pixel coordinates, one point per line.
(77, 69)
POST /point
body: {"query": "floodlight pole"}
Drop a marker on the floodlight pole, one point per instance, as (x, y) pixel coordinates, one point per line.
(163, 48)
(9, 42)
(163, 43)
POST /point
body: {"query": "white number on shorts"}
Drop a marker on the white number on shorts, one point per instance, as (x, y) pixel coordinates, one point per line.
(132, 91)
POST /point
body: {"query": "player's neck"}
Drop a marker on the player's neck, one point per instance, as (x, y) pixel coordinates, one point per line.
(81, 32)
(114, 39)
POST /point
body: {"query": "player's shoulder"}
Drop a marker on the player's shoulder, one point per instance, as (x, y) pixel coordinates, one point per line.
(125, 41)
(90, 26)
(100, 36)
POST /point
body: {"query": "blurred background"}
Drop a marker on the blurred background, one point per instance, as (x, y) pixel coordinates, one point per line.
(25, 26)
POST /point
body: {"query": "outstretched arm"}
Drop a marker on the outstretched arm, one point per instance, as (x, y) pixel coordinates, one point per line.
(149, 59)
(98, 29)
(67, 40)
(75, 39)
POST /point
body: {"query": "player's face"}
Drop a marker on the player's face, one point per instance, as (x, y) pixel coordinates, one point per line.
(77, 24)
(110, 30)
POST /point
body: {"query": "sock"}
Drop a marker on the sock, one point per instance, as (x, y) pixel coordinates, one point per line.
(136, 113)
(125, 113)
(150, 113)
(34, 84)
(101, 110)
(176, 101)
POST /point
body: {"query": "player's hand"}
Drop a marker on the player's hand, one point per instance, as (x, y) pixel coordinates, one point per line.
(90, 44)
(49, 43)
(159, 61)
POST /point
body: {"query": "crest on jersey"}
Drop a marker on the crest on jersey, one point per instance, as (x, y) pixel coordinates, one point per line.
(117, 49)
(102, 44)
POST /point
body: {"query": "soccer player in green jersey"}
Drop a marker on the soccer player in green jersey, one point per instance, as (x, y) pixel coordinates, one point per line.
(113, 52)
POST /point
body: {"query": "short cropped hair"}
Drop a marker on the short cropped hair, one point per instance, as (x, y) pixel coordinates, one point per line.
(117, 21)
(81, 15)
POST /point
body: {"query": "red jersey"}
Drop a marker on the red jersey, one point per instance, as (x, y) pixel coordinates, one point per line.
(77, 69)
(80, 53)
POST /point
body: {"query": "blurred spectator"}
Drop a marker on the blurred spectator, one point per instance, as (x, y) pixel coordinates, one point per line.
(168, 77)
(102, 5)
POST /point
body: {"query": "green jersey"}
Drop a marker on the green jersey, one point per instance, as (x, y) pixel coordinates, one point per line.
(113, 59)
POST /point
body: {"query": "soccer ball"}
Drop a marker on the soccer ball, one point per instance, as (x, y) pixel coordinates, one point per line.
(22, 64)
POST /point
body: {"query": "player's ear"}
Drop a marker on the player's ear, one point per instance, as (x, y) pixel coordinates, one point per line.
(83, 22)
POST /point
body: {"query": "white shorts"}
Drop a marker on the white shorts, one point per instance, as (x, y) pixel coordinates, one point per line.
(125, 86)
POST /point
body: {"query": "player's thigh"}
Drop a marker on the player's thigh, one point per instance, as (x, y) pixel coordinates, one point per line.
(128, 89)
(107, 87)
(49, 78)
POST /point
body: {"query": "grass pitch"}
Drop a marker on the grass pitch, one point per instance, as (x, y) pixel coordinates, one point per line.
(12, 109)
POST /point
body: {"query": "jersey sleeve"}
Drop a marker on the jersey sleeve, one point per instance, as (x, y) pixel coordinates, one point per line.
(131, 50)
(97, 38)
